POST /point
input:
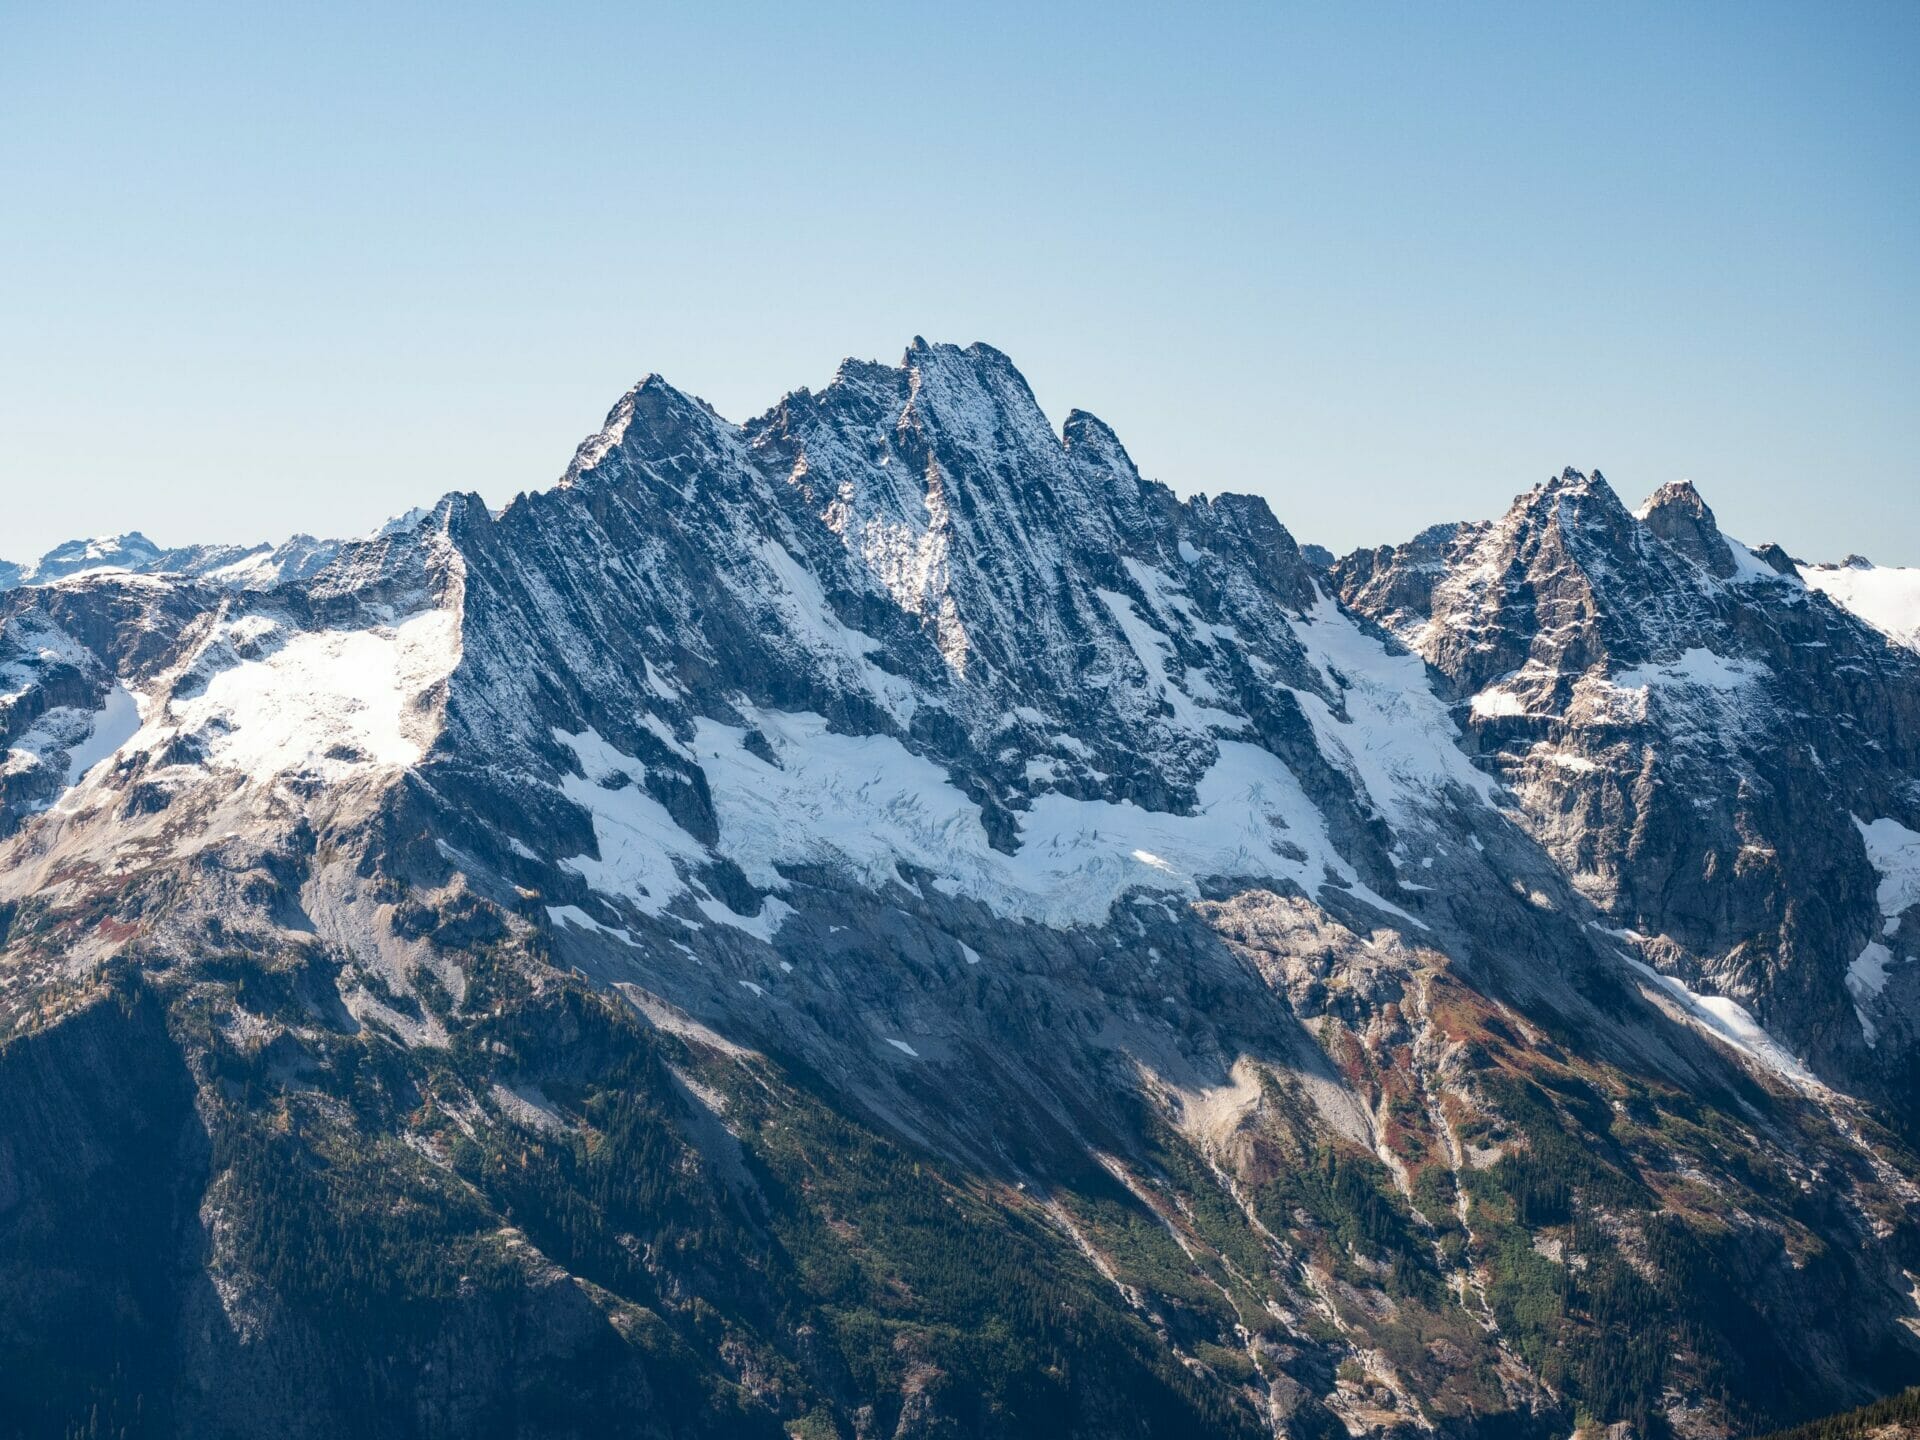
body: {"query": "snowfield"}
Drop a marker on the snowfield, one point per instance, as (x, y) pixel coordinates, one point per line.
(867, 804)
(326, 700)
(261, 699)
(1886, 597)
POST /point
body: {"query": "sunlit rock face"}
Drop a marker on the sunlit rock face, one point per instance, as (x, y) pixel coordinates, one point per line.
(881, 920)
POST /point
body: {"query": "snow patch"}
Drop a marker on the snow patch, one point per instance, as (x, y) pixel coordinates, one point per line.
(1153, 650)
(574, 915)
(1495, 701)
(1866, 978)
(1749, 567)
(764, 926)
(910, 559)
(88, 737)
(1894, 851)
(638, 840)
(1397, 739)
(1563, 759)
(1729, 1021)
(1697, 667)
(811, 621)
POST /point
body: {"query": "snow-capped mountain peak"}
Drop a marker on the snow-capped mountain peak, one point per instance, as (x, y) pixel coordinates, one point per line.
(845, 847)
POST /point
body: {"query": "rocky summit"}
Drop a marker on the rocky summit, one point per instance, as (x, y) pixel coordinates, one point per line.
(881, 921)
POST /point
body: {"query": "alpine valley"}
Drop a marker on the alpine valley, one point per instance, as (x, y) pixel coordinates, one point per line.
(882, 922)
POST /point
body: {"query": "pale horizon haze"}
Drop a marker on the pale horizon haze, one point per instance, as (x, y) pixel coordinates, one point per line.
(278, 269)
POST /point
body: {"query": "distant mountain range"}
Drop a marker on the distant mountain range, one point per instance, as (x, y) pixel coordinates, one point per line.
(250, 567)
(882, 921)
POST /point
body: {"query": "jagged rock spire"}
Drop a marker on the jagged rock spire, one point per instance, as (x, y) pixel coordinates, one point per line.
(1676, 513)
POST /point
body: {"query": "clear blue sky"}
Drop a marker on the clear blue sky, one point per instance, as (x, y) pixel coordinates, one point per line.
(278, 267)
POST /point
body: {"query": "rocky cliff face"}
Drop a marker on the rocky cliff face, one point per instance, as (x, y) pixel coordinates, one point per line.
(1720, 759)
(882, 921)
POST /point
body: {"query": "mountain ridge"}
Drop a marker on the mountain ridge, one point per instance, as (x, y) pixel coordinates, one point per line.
(701, 909)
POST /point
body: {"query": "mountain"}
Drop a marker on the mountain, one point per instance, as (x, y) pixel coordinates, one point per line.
(243, 566)
(1723, 763)
(882, 921)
